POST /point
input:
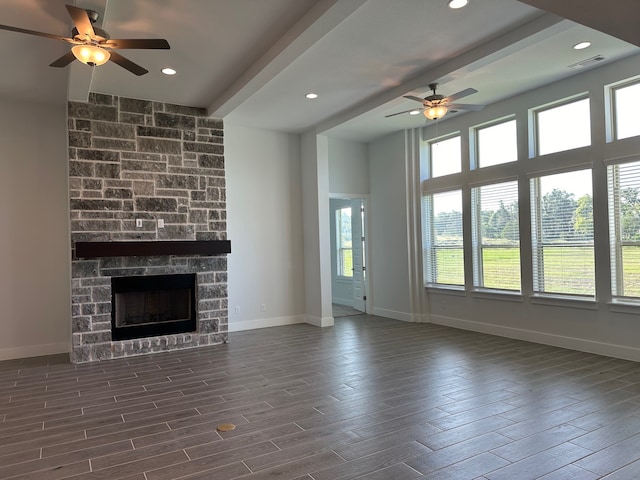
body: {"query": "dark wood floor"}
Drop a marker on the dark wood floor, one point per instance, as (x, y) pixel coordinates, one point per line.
(370, 398)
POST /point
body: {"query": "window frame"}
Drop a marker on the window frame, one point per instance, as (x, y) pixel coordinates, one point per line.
(611, 100)
(475, 154)
(538, 244)
(616, 243)
(340, 248)
(534, 122)
(478, 247)
(444, 138)
(429, 242)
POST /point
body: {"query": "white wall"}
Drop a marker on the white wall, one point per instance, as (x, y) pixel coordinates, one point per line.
(348, 167)
(595, 328)
(389, 270)
(264, 210)
(35, 295)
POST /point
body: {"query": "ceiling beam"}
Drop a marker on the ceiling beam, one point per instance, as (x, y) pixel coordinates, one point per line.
(315, 24)
(618, 19)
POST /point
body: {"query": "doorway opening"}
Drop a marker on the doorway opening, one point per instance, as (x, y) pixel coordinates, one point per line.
(348, 256)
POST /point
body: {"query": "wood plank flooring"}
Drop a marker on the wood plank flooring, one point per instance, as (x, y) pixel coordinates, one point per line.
(370, 398)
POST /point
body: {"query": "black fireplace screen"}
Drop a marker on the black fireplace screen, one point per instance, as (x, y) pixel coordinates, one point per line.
(155, 305)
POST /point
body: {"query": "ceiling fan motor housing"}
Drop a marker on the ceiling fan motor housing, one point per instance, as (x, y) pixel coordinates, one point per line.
(434, 98)
(100, 35)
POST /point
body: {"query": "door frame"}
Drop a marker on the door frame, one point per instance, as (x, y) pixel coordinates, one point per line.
(366, 247)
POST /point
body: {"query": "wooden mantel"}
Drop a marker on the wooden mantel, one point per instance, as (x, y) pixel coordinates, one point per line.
(151, 248)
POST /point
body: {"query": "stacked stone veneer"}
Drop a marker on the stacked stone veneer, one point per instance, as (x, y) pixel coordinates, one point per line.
(133, 159)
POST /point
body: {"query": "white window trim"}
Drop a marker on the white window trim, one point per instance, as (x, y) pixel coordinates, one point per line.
(476, 247)
(534, 144)
(429, 143)
(611, 129)
(430, 264)
(628, 303)
(474, 141)
(536, 255)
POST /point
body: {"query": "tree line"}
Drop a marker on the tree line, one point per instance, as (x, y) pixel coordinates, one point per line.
(563, 217)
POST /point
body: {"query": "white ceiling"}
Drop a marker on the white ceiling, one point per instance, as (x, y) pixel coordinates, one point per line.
(251, 61)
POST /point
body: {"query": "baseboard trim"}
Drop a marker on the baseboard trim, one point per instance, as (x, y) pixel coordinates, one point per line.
(402, 316)
(319, 322)
(34, 350)
(239, 326)
(589, 346)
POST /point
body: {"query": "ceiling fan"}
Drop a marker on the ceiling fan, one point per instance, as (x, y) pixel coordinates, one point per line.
(92, 45)
(436, 106)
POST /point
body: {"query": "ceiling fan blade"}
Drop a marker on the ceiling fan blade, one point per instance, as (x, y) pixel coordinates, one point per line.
(412, 97)
(142, 43)
(463, 93)
(39, 34)
(464, 106)
(128, 64)
(64, 60)
(400, 113)
(81, 20)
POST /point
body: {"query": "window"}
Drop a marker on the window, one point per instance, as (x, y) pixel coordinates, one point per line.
(626, 103)
(446, 157)
(562, 233)
(343, 242)
(497, 144)
(563, 127)
(442, 238)
(496, 238)
(624, 228)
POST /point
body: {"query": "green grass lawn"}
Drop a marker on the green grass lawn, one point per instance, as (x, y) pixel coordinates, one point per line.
(566, 269)
(501, 268)
(631, 271)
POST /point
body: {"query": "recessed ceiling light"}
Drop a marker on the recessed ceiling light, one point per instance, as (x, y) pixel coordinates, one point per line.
(458, 3)
(311, 96)
(169, 71)
(414, 112)
(582, 45)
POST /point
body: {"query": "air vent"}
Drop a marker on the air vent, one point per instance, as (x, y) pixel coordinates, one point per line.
(587, 63)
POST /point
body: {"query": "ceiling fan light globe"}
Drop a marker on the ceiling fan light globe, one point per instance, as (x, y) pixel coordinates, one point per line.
(434, 113)
(91, 55)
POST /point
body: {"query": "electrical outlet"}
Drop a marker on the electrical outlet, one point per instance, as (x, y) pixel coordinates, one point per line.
(161, 223)
(138, 223)
(263, 307)
(237, 309)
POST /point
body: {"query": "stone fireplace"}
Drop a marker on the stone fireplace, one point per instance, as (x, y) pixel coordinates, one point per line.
(148, 204)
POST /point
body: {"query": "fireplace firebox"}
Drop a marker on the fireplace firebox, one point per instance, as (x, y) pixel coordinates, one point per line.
(153, 305)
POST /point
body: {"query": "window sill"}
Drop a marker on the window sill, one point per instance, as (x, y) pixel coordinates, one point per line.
(564, 301)
(503, 295)
(446, 289)
(624, 306)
